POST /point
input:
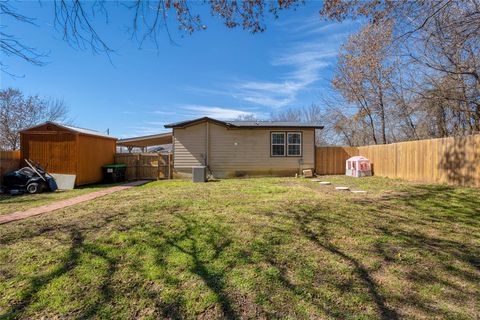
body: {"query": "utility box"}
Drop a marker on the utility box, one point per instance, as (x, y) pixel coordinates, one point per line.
(199, 174)
(307, 173)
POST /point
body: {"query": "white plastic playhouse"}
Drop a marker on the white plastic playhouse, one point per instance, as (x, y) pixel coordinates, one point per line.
(358, 167)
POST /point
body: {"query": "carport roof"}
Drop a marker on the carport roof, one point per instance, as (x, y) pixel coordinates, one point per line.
(146, 141)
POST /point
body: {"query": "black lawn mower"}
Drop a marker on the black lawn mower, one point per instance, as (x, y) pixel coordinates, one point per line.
(31, 179)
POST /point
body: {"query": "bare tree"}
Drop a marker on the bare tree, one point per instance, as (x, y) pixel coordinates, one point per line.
(290, 114)
(246, 117)
(18, 112)
(362, 76)
(417, 79)
(76, 21)
(451, 56)
(312, 113)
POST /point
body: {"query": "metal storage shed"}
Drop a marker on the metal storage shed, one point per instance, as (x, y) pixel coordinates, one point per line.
(65, 149)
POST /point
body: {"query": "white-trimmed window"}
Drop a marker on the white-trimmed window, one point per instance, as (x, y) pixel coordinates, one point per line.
(294, 144)
(277, 144)
(286, 144)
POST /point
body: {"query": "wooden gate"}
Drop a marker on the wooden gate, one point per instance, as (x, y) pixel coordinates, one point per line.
(148, 166)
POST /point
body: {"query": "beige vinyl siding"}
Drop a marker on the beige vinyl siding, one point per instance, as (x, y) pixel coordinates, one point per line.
(250, 155)
(189, 146)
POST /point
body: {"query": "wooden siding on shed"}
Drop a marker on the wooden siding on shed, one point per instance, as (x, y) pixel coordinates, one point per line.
(65, 152)
(57, 153)
(93, 153)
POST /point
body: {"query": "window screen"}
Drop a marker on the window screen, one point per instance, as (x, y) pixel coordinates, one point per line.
(294, 144)
(278, 143)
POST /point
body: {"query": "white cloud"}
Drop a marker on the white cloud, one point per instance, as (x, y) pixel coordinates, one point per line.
(156, 123)
(305, 61)
(217, 112)
(307, 26)
(164, 113)
(146, 130)
(298, 65)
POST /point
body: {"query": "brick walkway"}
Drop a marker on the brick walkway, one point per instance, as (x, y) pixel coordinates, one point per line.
(19, 215)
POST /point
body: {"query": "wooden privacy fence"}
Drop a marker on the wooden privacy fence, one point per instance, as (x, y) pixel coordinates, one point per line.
(446, 160)
(331, 160)
(9, 161)
(146, 165)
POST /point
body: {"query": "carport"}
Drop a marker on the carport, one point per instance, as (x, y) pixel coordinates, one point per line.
(146, 165)
(145, 141)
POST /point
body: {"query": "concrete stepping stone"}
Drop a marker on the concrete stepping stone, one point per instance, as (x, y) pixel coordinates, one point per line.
(325, 183)
(358, 191)
(342, 188)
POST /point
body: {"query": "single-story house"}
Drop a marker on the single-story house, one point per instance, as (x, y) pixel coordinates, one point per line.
(239, 148)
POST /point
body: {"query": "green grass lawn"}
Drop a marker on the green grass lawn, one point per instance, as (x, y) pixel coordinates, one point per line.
(10, 204)
(249, 248)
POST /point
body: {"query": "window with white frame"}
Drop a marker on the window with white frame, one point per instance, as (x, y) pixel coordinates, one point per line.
(294, 144)
(278, 144)
(286, 144)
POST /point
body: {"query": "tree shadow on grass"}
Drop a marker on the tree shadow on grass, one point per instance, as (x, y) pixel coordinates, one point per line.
(39, 282)
(304, 218)
(434, 207)
(77, 248)
(437, 267)
(431, 203)
(26, 230)
(434, 227)
(106, 290)
(187, 243)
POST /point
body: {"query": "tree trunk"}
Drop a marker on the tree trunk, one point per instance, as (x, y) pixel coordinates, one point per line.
(382, 117)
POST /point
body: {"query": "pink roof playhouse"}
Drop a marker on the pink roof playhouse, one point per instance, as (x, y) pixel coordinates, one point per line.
(358, 167)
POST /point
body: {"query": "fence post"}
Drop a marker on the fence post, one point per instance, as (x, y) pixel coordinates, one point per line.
(137, 164)
(170, 166)
(159, 157)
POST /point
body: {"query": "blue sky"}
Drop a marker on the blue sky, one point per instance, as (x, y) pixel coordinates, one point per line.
(219, 72)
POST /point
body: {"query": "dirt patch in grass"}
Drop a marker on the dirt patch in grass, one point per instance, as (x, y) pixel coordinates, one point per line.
(249, 248)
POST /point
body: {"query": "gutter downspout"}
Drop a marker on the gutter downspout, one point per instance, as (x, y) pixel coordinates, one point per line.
(207, 152)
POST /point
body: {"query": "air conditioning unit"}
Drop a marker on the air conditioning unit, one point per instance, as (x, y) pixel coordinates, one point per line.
(199, 174)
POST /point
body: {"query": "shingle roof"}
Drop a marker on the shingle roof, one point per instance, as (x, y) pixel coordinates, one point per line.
(248, 124)
(275, 124)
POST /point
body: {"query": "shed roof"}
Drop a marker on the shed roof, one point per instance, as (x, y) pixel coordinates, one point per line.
(247, 124)
(73, 129)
